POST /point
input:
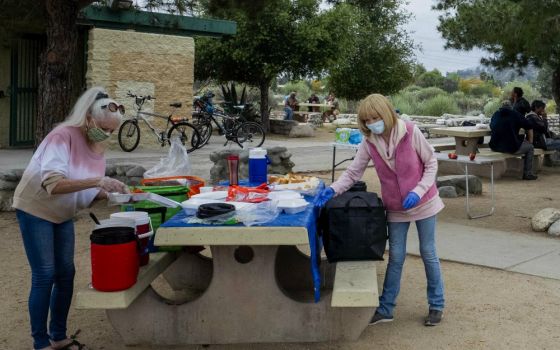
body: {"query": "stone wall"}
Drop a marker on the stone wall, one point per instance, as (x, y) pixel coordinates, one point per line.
(145, 64)
(282, 127)
(280, 163)
(129, 173)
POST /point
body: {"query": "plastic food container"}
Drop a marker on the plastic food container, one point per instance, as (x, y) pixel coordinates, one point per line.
(190, 207)
(284, 195)
(120, 197)
(292, 206)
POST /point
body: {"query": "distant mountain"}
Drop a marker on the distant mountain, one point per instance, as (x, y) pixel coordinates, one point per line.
(505, 75)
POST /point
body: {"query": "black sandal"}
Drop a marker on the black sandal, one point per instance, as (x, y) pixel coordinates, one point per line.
(74, 343)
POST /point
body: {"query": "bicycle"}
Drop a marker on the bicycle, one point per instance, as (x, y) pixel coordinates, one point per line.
(234, 127)
(129, 132)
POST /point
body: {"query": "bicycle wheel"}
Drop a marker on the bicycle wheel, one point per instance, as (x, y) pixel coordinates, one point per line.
(205, 130)
(129, 135)
(250, 132)
(187, 133)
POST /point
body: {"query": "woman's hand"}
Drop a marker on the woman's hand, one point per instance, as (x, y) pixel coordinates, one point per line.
(411, 200)
(110, 185)
(323, 197)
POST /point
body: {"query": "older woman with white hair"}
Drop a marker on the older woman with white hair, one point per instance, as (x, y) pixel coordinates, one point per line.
(66, 174)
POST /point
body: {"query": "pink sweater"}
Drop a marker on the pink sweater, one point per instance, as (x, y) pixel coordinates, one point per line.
(65, 153)
(387, 152)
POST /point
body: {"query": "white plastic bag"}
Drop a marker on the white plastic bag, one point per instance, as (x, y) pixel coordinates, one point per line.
(175, 164)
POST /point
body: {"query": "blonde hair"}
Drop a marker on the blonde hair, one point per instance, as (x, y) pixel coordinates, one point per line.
(88, 105)
(378, 106)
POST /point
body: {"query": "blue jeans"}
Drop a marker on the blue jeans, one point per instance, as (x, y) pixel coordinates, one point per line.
(289, 113)
(50, 251)
(397, 253)
(553, 144)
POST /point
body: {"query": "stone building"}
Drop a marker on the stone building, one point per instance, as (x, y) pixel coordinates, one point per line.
(123, 50)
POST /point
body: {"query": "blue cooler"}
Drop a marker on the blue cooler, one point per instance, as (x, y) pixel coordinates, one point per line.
(258, 165)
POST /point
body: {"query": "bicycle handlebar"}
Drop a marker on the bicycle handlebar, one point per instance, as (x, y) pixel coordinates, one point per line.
(147, 97)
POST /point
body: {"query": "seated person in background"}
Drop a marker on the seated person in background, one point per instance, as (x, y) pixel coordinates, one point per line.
(542, 136)
(290, 105)
(505, 125)
(313, 99)
(520, 104)
(333, 111)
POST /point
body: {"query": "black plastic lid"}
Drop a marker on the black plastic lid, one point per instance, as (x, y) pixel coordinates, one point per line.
(213, 209)
(113, 235)
(359, 186)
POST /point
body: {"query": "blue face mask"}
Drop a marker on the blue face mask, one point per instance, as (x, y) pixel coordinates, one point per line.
(377, 128)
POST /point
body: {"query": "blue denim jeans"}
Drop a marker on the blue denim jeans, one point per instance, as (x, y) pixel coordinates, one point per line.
(289, 113)
(553, 144)
(397, 253)
(50, 251)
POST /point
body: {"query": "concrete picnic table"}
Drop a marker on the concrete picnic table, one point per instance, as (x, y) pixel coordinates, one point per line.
(466, 137)
(257, 287)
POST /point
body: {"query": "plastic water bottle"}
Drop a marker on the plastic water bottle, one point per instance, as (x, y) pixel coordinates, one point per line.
(258, 164)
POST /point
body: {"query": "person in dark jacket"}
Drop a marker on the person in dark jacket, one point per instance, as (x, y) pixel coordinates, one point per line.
(542, 136)
(520, 104)
(505, 126)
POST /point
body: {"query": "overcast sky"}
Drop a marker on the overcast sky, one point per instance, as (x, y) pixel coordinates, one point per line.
(424, 32)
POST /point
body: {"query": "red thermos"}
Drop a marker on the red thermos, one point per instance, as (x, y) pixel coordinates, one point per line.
(233, 168)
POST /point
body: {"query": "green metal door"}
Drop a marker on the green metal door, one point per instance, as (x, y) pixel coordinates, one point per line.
(24, 79)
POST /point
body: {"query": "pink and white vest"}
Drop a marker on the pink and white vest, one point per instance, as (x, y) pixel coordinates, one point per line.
(409, 169)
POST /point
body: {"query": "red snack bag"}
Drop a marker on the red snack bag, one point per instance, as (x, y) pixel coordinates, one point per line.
(247, 194)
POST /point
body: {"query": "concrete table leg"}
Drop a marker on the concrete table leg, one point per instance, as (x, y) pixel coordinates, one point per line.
(466, 145)
(243, 303)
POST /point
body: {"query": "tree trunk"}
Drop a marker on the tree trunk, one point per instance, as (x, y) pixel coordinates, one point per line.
(556, 87)
(264, 86)
(55, 66)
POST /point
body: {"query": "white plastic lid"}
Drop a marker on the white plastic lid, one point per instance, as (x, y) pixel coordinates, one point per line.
(257, 153)
(140, 217)
(116, 222)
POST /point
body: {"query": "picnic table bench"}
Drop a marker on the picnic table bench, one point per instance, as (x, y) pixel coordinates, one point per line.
(257, 287)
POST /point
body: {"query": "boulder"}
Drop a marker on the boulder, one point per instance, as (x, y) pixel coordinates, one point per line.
(458, 181)
(315, 119)
(302, 130)
(447, 192)
(137, 171)
(6, 200)
(544, 219)
(554, 229)
(13, 175)
(8, 185)
(110, 170)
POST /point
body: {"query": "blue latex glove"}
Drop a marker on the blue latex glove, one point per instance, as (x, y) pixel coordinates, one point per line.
(323, 197)
(411, 200)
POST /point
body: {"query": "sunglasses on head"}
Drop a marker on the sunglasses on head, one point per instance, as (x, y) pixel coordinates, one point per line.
(113, 107)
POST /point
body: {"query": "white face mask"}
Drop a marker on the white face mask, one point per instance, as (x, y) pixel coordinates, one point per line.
(377, 128)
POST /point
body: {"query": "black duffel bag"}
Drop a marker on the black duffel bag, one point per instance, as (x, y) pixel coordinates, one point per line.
(353, 226)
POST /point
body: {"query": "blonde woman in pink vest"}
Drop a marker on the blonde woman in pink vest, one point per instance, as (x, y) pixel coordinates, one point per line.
(407, 168)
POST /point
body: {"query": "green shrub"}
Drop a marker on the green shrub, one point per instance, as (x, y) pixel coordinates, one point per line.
(429, 92)
(412, 88)
(529, 92)
(407, 103)
(492, 106)
(439, 105)
(551, 107)
(484, 89)
(301, 87)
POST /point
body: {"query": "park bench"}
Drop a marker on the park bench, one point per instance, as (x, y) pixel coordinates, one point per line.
(92, 299)
(355, 284)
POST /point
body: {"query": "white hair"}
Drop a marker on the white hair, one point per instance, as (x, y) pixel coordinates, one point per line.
(88, 105)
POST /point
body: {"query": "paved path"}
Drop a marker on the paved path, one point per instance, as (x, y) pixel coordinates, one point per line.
(525, 253)
(532, 253)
